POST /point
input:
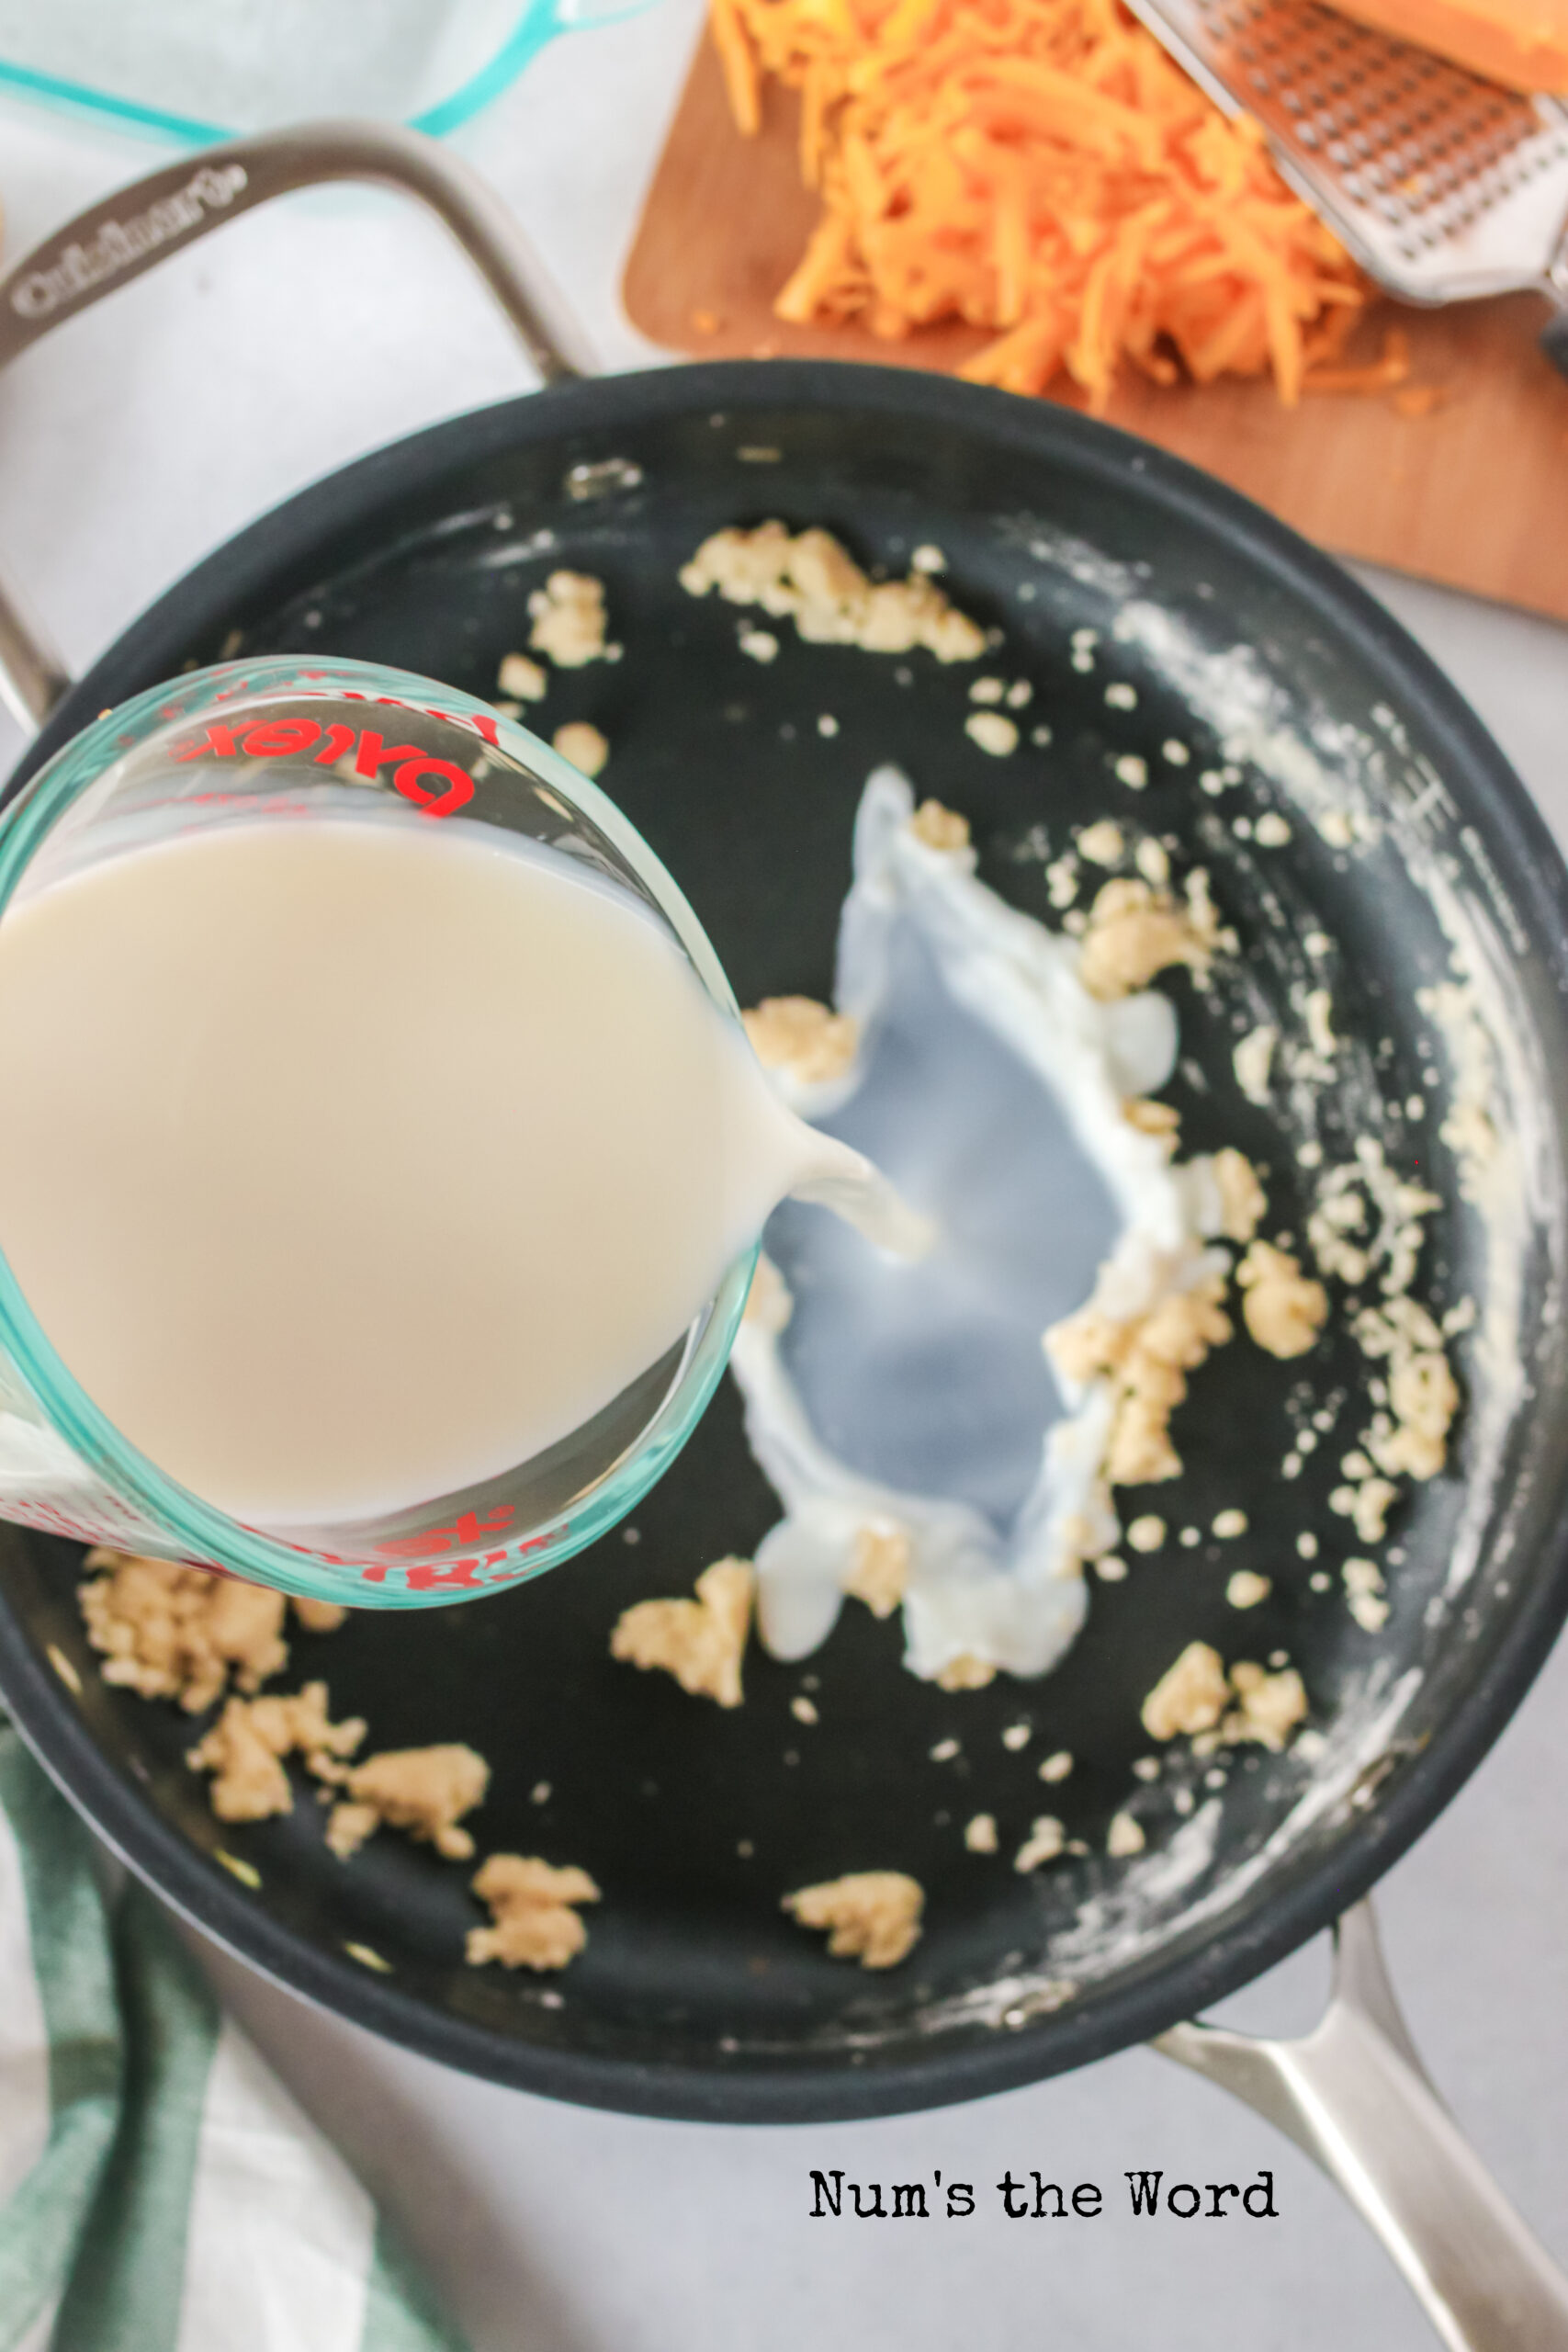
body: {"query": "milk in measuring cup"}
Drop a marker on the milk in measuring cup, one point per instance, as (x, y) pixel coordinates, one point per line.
(347, 1163)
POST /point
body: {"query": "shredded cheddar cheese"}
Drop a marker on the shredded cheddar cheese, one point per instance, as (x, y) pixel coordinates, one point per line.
(1042, 169)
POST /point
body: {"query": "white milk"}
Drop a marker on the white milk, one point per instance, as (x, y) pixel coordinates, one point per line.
(346, 1164)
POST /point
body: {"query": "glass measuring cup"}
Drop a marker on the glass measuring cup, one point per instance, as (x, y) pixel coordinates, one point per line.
(270, 742)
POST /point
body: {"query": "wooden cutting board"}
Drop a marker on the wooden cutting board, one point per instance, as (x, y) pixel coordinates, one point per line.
(1474, 494)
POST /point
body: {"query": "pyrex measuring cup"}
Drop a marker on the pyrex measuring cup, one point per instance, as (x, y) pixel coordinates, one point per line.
(270, 742)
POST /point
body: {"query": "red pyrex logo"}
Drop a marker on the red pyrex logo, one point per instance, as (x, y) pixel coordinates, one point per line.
(512, 1561)
(436, 786)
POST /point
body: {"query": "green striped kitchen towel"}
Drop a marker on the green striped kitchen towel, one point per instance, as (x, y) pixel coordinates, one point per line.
(159, 2189)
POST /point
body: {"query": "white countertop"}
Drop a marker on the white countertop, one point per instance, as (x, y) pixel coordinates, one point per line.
(131, 444)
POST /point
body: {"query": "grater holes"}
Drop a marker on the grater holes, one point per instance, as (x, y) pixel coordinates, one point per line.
(1412, 144)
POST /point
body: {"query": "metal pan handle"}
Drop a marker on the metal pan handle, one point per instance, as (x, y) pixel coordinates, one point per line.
(1354, 2095)
(132, 230)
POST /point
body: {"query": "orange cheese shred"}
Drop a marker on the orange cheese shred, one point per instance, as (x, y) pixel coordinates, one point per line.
(740, 68)
(1043, 170)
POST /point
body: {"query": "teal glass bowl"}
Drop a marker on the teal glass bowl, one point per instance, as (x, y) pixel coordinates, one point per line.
(202, 71)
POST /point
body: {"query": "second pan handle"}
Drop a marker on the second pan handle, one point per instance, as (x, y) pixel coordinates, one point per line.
(132, 230)
(1354, 2095)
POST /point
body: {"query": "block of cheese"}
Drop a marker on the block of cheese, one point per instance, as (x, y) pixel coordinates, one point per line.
(1522, 43)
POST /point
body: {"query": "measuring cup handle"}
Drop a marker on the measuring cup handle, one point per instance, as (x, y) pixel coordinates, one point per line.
(1355, 2097)
(129, 232)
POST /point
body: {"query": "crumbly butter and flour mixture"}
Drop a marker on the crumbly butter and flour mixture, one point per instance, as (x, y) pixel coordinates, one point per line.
(1199, 1264)
(1200, 1260)
(167, 1631)
(1081, 1015)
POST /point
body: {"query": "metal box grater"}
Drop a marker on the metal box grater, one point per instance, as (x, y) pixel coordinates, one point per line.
(1443, 186)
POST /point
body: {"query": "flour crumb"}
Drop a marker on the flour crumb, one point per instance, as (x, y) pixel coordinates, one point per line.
(987, 690)
(1103, 844)
(1153, 862)
(1284, 1309)
(700, 1641)
(993, 731)
(1191, 1696)
(1367, 1219)
(1119, 695)
(940, 828)
(1135, 932)
(1016, 1738)
(1145, 1359)
(1270, 1705)
(872, 1915)
(768, 1302)
(1271, 830)
(1244, 1204)
(1371, 1504)
(809, 578)
(980, 1834)
(804, 1710)
(581, 743)
(1062, 880)
(1056, 1766)
(945, 1750)
(166, 1631)
(879, 1569)
(319, 1616)
(1252, 1060)
(1125, 1837)
(1318, 1007)
(534, 1913)
(425, 1791)
(1422, 1396)
(524, 680)
(1044, 1842)
(1230, 1523)
(568, 614)
(1364, 1590)
(1130, 769)
(1247, 1588)
(1151, 1118)
(245, 1747)
(1147, 1533)
(966, 1672)
(808, 1041)
(759, 644)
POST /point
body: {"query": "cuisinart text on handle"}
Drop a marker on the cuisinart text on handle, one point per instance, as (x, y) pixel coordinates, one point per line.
(117, 244)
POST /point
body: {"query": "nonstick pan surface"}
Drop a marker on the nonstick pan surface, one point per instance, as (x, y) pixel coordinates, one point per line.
(695, 1996)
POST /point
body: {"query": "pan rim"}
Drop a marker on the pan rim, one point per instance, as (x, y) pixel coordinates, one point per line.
(743, 2089)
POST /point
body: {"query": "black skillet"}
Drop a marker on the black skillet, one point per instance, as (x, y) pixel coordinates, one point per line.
(696, 1996)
